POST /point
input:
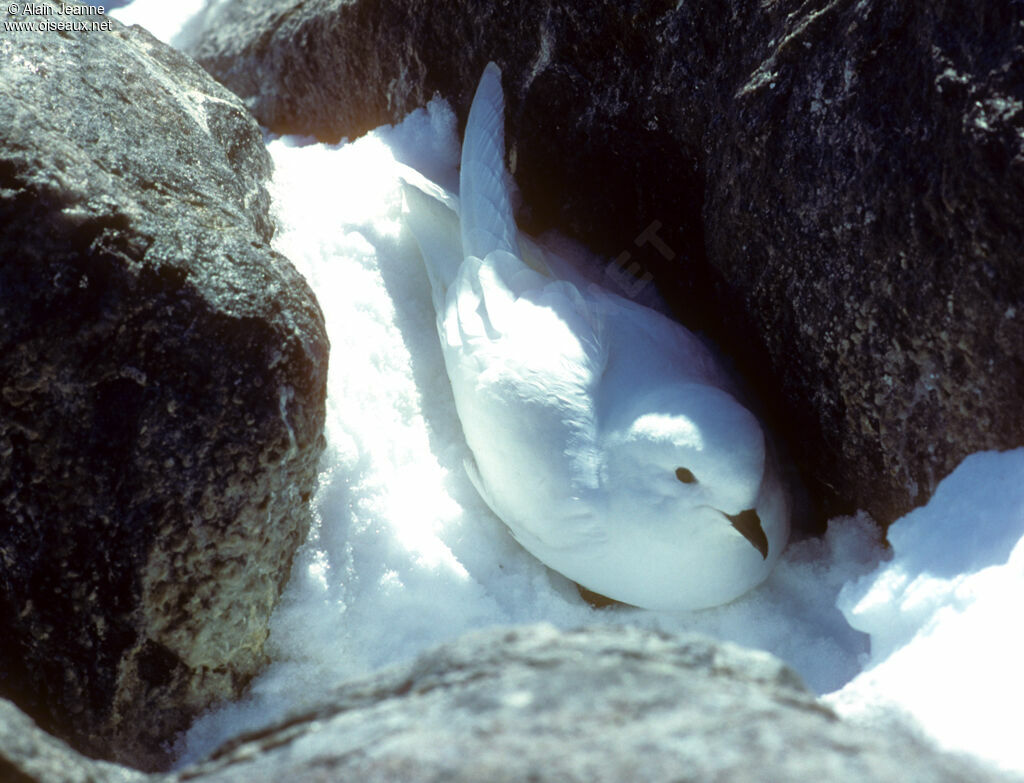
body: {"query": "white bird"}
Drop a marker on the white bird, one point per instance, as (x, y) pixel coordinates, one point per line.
(604, 435)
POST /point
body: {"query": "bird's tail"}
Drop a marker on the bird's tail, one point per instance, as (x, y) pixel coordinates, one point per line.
(486, 212)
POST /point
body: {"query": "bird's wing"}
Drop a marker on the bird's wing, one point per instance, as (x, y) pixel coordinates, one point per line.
(638, 335)
(486, 211)
(499, 294)
(524, 353)
(525, 371)
(432, 214)
(435, 225)
(501, 301)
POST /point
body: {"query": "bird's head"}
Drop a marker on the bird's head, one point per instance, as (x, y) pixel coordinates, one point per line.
(691, 454)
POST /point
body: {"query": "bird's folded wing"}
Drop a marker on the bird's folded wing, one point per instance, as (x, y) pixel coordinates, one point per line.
(435, 225)
(502, 307)
(679, 348)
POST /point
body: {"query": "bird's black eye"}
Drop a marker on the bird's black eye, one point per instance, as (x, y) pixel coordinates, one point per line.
(685, 476)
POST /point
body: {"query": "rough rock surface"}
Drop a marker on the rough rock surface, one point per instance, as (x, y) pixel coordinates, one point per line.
(600, 704)
(836, 189)
(162, 387)
(30, 755)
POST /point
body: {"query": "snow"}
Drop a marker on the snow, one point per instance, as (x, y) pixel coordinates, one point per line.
(404, 554)
(944, 615)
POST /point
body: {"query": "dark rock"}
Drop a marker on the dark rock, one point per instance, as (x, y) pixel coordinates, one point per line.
(162, 387)
(30, 755)
(837, 190)
(601, 704)
(866, 201)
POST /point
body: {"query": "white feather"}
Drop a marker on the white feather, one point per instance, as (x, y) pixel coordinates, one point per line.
(487, 220)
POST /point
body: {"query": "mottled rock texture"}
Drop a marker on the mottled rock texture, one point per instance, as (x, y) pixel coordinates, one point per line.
(836, 188)
(162, 387)
(595, 705)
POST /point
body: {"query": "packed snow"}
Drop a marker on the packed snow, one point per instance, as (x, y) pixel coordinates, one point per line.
(404, 554)
(944, 615)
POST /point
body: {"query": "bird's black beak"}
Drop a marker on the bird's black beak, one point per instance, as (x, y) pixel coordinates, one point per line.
(749, 524)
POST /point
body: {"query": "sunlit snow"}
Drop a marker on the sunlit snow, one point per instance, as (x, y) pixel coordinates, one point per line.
(945, 615)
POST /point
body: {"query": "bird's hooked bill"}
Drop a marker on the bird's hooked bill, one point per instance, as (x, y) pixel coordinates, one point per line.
(749, 525)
